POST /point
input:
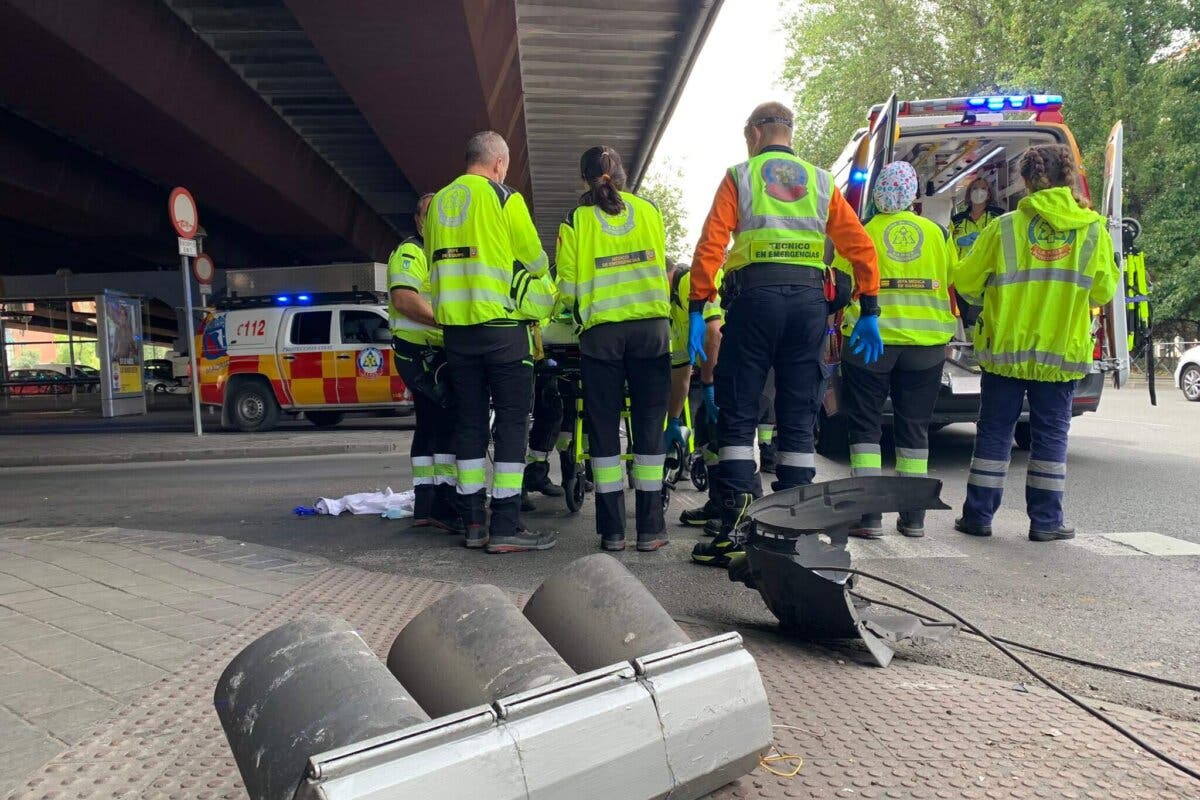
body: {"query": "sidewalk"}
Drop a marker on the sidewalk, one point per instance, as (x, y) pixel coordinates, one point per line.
(113, 639)
(128, 447)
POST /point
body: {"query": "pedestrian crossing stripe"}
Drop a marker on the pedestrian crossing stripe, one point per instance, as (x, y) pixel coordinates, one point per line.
(1137, 543)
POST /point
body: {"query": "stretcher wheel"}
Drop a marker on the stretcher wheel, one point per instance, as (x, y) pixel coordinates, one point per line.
(574, 490)
(698, 472)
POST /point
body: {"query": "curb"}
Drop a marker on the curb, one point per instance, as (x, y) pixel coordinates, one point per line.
(203, 454)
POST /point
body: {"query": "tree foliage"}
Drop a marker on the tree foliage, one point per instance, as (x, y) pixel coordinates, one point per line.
(662, 187)
(1131, 60)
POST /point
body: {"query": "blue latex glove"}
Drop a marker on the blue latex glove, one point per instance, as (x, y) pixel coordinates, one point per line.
(674, 434)
(696, 335)
(865, 339)
(710, 402)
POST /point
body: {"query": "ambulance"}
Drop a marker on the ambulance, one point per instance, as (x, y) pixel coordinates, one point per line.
(951, 142)
(318, 354)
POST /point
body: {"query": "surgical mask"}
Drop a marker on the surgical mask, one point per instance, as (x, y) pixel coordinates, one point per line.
(979, 196)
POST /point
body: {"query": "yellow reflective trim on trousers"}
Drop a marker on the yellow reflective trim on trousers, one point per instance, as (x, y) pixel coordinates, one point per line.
(606, 474)
(507, 480)
(912, 466)
(648, 472)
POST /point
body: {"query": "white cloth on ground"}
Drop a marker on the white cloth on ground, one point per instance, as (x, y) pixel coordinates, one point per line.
(386, 503)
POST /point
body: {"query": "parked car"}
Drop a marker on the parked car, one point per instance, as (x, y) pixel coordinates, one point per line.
(1187, 374)
(33, 381)
(158, 376)
(85, 377)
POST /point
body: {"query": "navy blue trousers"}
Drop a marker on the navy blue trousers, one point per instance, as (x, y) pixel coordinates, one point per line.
(780, 327)
(1046, 475)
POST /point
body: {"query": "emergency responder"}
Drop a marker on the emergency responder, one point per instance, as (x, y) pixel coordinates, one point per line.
(980, 212)
(1038, 271)
(916, 320)
(766, 426)
(612, 269)
(779, 210)
(703, 422)
(419, 355)
(477, 231)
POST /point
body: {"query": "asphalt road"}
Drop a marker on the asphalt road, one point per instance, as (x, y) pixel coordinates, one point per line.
(1133, 469)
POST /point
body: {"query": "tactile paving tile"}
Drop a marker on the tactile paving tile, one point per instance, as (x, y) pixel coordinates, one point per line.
(909, 731)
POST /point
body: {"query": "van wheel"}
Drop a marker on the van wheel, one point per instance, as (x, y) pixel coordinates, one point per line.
(252, 408)
(324, 419)
(1023, 436)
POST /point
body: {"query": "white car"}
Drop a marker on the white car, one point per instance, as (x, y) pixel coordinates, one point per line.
(1187, 374)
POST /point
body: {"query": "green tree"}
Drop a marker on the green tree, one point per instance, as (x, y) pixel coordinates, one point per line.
(662, 187)
(85, 353)
(1110, 59)
(25, 358)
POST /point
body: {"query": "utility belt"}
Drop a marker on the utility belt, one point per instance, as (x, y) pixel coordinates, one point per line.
(836, 285)
(423, 368)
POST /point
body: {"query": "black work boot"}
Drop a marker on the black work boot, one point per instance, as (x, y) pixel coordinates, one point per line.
(527, 505)
(698, 517)
(911, 524)
(766, 456)
(424, 497)
(731, 540)
(445, 515)
(964, 525)
(1060, 533)
(537, 479)
(476, 538)
(870, 526)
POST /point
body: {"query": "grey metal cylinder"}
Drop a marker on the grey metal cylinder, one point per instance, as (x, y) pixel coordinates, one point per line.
(595, 612)
(306, 687)
(469, 648)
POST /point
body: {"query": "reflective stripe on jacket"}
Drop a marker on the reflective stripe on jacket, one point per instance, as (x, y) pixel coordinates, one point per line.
(916, 264)
(613, 267)
(475, 232)
(1039, 270)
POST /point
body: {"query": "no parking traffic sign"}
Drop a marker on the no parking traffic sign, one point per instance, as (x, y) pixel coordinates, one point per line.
(203, 268)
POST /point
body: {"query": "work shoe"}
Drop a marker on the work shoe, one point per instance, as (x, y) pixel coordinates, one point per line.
(477, 537)
(699, 517)
(869, 526)
(527, 505)
(712, 528)
(1057, 534)
(766, 458)
(613, 544)
(651, 541)
(731, 539)
(521, 541)
(974, 528)
(537, 479)
(448, 524)
(911, 524)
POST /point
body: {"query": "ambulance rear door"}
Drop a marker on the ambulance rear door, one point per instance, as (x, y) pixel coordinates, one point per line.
(1114, 341)
(880, 149)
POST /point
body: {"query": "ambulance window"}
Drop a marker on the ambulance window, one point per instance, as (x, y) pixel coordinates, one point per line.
(362, 327)
(311, 327)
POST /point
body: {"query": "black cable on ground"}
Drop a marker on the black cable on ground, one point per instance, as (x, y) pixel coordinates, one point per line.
(1083, 662)
(1116, 726)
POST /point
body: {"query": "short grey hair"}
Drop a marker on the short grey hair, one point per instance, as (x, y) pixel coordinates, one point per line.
(485, 147)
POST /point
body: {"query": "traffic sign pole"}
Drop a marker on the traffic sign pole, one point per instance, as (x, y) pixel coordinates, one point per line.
(185, 271)
(185, 218)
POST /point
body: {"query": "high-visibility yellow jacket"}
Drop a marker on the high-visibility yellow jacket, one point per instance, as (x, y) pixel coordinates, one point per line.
(679, 316)
(783, 210)
(613, 267)
(916, 265)
(408, 269)
(476, 232)
(964, 230)
(1039, 270)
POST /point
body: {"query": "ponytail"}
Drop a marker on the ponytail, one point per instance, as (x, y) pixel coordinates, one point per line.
(1050, 166)
(604, 174)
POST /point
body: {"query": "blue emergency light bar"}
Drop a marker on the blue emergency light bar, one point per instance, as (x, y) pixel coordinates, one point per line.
(1014, 102)
(302, 298)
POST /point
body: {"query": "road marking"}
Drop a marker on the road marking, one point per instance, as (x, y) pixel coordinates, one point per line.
(896, 546)
(1154, 544)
